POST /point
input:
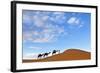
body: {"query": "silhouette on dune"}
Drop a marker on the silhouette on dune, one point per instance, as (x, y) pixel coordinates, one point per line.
(70, 54)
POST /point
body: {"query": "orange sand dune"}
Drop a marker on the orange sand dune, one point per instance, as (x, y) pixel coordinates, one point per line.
(70, 54)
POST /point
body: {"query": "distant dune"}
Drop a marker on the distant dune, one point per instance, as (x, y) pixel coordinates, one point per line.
(70, 54)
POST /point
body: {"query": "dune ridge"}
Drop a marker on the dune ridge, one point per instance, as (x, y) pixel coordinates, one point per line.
(67, 55)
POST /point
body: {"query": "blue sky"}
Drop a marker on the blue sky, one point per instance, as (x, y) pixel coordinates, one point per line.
(44, 31)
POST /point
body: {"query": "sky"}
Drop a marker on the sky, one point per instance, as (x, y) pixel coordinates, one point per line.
(44, 31)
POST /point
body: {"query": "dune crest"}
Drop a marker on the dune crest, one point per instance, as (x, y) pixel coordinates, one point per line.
(67, 55)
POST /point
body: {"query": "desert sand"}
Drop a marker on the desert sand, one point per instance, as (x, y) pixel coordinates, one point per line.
(67, 55)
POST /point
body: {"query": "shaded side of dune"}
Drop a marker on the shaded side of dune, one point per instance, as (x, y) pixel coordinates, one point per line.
(71, 54)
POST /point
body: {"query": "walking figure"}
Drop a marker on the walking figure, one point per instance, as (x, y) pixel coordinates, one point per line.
(40, 55)
(46, 54)
(55, 51)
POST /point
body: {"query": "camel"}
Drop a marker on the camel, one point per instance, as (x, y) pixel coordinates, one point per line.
(40, 55)
(55, 51)
(46, 54)
(43, 55)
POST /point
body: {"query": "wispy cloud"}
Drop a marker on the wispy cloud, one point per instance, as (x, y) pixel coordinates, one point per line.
(50, 31)
(45, 25)
(46, 35)
(58, 17)
(39, 21)
(80, 26)
(75, 21)
(33, 47)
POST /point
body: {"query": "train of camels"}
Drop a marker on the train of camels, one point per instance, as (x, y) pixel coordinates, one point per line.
(43, 55)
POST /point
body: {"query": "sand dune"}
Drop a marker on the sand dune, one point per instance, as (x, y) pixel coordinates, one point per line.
(70, 54)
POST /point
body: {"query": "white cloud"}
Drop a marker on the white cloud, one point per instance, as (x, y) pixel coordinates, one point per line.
(80, 26)
(37, 21)
(40, 37)
(40, 21)
(26, 19)
(42, 40)
(35, 33)
(58, 17)
(26, 35)
(33, 47)
(75, 21)
(49, 32)
(44, 36)
(72, 20)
